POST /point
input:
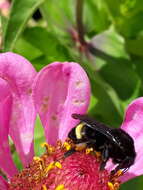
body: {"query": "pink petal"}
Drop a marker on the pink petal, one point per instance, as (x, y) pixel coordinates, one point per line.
(19, 74)
(133, 124)
(3, 184)
(4, 7)
(4, 4)
(6, 162)
(61, 89)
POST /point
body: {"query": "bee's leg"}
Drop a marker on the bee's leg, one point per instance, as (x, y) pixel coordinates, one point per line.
(123, 165)
(69, 152)
(79, 146)
(105, 157)
(113, 172)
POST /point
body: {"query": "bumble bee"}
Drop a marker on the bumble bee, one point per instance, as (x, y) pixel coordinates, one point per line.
(112, 143)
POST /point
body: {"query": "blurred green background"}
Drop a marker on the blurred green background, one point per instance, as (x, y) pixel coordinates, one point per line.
(104, 36)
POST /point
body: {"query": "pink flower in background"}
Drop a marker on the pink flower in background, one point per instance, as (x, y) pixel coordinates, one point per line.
(4, 7)
(56, 92)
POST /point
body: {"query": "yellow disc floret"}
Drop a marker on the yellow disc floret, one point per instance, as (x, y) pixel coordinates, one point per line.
(88, 150)
(44, 187)
(111, 186)
(67, 146)
(60, 187)
(49, 148)
(58, 165)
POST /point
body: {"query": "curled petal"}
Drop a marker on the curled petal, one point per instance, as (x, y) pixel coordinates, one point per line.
(19, 74)
(3, 184)
(133, 124)
(6, 162)
(61, 89)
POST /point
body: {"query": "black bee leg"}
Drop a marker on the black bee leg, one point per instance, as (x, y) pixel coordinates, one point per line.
(113, 172)
(102, 166)
(69, 152)
(105, 157)
(122, 165)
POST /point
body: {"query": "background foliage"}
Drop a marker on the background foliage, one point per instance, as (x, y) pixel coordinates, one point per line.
(104, 36)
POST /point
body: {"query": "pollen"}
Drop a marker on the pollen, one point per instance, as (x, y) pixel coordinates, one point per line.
(114, 179)
(89, 150)
(44, 187)
(114, 185)
(44, 144)
(111, 186)
(58, 165)
(36, 158)
(119, 173)
(60, 187)
(40, 161)
(67, 146)
(49, 148)
(49, 167)
(54, 171)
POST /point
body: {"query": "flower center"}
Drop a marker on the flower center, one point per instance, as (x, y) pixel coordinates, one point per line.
(55, 171)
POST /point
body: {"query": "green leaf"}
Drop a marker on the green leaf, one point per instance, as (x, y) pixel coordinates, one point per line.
(47, 43)
(109, 47)
(17, 160)
(135, 183)
(130, 8)
(113, 7)
(107, 108)
(135, 46)
(3, 21)
(39, 138)
(130, 26)
(139, 68)
(121, 77)
(40, 62)
(58, 14)
(114, 65)
(95, 16)
(20, 13)
(27, 49)
(126, 16)
(105, 104)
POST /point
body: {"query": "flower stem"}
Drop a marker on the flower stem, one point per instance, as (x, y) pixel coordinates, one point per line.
(79, 21)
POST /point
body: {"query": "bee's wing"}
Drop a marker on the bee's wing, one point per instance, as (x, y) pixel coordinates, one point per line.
(96, 125)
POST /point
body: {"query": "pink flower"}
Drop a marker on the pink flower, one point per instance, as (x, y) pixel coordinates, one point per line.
(4, 7)
(56, 92)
